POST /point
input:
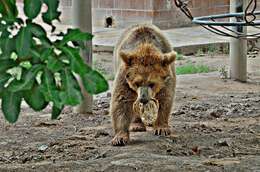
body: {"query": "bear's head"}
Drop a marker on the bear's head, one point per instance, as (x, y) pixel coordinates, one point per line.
(147, 70)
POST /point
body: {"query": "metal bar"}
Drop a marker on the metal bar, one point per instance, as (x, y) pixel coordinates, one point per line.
(238, 47)
(205, 20)
(82, 19)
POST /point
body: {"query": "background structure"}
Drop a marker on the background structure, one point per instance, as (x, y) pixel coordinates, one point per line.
(162, 13)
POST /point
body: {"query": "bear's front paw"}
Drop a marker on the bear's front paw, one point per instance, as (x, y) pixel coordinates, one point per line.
(120, 139)
(137, 127)
(162, 131)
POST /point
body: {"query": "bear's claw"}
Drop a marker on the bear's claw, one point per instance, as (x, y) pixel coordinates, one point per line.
(120, 140)
(162, 131)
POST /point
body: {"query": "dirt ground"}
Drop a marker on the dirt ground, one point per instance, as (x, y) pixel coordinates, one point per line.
(215, 124)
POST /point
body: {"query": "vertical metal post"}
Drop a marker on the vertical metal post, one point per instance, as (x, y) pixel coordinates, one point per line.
(82, 19)
(238, 47)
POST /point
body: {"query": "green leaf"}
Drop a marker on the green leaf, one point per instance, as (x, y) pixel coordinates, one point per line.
(71, 94)
(35, 99)
(46, 42)
(4, 30)
(6, 64)
(3, 79)
(94, 82)
(36, 56)
(54, 64)
(32, 8)
(8, 10)
(27, 80)
(7, 46)
(23, 42)
(75, 35)
(35, 53)
(56, 112)
(77, 64)
(52, 13)
(48, 85)
(49, 89)
(11, 105)
(46, 53)
(37, 30)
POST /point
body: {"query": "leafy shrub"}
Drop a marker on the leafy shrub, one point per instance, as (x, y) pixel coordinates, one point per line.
(179, 56)
(191, 69)
(39, 69)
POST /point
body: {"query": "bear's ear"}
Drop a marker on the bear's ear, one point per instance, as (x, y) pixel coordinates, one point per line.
(126, 58)
(168, 58)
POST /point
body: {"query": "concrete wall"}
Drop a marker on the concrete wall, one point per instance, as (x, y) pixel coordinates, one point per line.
(162, 13)
(124, 12)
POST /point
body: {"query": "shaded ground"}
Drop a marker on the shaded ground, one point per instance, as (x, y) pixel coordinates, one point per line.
(215, 123)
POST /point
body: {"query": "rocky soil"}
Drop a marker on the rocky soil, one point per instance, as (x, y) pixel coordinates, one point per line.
(215, 124)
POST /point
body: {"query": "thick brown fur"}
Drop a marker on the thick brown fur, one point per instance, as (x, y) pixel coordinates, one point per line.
(148, 60)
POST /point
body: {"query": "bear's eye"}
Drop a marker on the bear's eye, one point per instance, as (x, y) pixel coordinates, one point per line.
(151, 85)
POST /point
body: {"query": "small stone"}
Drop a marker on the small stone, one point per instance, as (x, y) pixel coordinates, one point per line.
(101, 133)
(37, 158)
(214, 113)
(247, 105)
(192, 107)
(223, 142)
(199, 107)
(177, 113)
(109, 94)
(43, 148)
(251, 111)
(195, 150)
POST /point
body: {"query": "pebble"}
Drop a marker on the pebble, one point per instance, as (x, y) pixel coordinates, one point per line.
(43, 148)
(216, 113)
(224, 142)
(101, 133)
(180, 112)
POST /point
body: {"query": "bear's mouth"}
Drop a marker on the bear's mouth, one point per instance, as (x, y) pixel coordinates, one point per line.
(148, 112)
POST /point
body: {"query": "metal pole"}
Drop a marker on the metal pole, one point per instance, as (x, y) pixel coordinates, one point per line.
(238, 47)
(82, 19)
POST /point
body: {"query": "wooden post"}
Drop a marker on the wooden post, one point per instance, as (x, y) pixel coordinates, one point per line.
(238, 47)
(82, 19)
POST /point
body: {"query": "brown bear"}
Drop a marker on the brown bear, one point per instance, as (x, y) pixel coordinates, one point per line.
(146, 74)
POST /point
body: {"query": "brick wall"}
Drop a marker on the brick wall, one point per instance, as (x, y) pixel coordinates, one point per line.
(162, 13)
(124, 12)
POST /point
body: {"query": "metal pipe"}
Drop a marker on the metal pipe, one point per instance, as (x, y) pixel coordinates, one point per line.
(238, 47)
(82, 19)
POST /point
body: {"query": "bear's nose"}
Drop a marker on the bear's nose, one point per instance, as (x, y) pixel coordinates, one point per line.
(144, 100)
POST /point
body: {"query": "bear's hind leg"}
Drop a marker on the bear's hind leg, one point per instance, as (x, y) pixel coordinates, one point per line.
(137, 125)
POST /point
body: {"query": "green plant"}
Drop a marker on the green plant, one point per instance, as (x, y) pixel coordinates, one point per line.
(39, 69)
(225, 49)
(179, 56)
(223, 72)
(191, 69)
(199, 52)
(212, 50)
